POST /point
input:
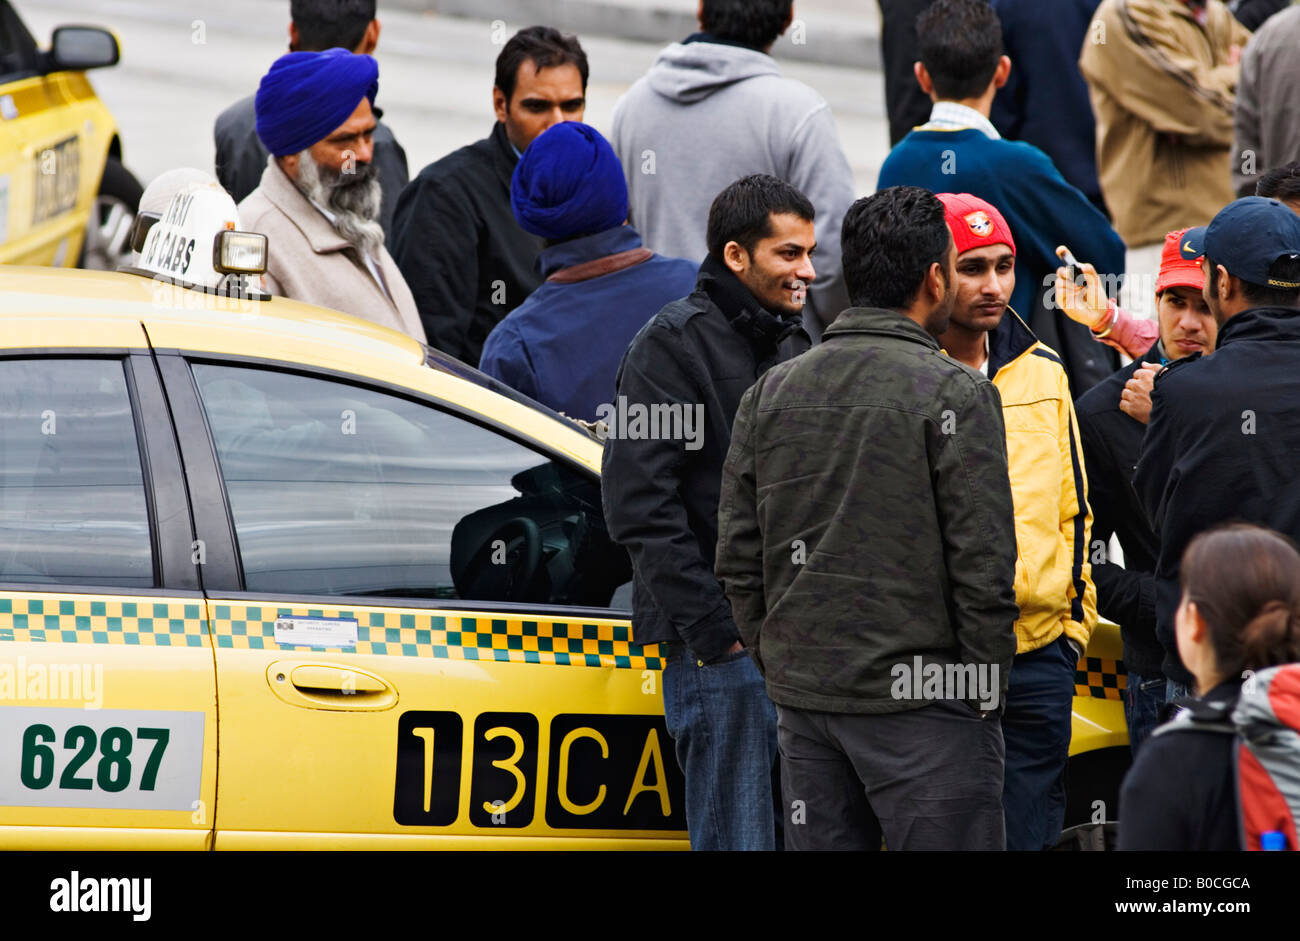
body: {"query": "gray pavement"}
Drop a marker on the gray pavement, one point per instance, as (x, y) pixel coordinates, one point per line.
(184, 61)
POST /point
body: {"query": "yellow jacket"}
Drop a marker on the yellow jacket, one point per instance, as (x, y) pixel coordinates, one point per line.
(1049, 489)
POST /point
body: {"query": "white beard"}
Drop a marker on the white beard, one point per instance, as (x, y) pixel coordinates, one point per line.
(354, 200)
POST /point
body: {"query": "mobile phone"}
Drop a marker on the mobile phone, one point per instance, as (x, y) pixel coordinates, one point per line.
(1073, 271)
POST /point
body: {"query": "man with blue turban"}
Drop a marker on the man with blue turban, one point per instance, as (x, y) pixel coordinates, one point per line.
(562, 345)
(314, 26)
(318, 202)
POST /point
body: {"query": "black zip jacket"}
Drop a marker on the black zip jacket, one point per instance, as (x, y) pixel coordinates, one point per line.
(462, 253)
(1181, 792)
(1222, 445)
(661, 493)
(1126, 594)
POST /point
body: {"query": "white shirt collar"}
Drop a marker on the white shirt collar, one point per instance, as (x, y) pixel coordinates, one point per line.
(951, 116)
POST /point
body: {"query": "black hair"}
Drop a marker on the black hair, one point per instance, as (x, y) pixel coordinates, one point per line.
(1286, 268)
(326, 24)
(742, 212)
(890, 240)
(546, 47)
(960, 43)
(1281, 183)
(755, 23)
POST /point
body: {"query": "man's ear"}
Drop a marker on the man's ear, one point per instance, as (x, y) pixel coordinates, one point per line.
(1226, 287)
(289, 164)
(699, 15)
(935, 284)
(370, 39)
(499, 103)
(923, 78)
(1002, 72)
(293, 36)
(735, 257)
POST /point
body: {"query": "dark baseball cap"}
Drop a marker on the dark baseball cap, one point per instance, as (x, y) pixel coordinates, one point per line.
(1246, 237)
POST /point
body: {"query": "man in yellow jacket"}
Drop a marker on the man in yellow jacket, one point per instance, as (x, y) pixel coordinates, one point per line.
(1054, 590)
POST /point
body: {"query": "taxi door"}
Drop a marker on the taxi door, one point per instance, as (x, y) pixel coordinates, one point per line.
(410, 614)
(107, 684)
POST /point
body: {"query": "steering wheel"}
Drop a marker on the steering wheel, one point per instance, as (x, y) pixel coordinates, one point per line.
(506, 563)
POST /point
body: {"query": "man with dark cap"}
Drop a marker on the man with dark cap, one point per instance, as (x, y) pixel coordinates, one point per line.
(1225, 429)
(563, 345)
(318, 202)
(315, 25)
(466, 259)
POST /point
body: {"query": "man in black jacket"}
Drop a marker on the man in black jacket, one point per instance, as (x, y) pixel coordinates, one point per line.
(314, 27)
(694, 360)
(465, 258)
(1225, 430)
(1112, 441)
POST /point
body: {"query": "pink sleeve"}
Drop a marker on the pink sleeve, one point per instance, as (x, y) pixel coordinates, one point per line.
(1132, 336)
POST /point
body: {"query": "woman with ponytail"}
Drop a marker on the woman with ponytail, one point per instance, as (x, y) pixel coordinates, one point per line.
(1240, 612)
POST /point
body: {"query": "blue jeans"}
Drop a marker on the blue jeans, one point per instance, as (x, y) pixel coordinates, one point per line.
(1143, 699)
(1036, 728)
(724, 733)
(1176, 691)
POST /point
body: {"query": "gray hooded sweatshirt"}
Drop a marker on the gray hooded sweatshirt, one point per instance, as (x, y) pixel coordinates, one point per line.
(707, 114)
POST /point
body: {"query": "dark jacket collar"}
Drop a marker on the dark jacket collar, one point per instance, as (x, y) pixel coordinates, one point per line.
(588, 248)
(1217, 704)
(503, 154)
(881, 322)
(1010, 339)
(1261, 323)
(764, 329)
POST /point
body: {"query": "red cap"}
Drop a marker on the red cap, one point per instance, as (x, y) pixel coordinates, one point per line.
(974, 222)
(1180, 265)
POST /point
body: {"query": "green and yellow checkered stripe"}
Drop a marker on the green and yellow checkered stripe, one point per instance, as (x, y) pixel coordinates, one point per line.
(450, 637)
(81, 620)
(1100, 678)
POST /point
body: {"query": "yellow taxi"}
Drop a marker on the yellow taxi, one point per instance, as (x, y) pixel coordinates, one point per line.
(65, 197)
(274, 577)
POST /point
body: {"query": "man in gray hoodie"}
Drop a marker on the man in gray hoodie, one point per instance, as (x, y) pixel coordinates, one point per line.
(714, 108)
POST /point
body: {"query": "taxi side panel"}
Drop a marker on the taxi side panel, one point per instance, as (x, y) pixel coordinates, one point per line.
(108, 721)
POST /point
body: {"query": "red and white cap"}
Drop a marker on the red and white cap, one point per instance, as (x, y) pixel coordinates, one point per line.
(974, 222)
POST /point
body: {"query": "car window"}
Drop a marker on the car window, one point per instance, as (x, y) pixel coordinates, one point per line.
(72, 498)
(338, 489)
(18, 54)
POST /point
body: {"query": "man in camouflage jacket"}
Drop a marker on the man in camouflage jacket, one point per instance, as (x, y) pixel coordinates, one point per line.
(866, 543)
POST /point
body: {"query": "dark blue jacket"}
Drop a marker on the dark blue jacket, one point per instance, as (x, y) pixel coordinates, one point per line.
(1045, 100)
(562, 345)
(1222, 445)
(1043, 211)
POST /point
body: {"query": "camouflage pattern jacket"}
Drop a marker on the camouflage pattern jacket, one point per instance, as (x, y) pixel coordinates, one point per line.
(866, 520)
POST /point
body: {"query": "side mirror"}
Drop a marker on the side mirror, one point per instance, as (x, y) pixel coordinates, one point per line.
(76, 48)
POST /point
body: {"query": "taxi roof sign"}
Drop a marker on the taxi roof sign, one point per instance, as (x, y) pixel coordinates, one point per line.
(196, 240)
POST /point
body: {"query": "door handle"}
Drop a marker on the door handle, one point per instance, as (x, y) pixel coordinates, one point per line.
(318, 678)
(330, 686)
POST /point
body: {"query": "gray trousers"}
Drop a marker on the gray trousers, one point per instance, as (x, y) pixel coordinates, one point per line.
(924, 779)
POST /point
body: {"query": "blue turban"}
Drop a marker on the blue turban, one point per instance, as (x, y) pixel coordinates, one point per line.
(306, 95)
(569, 183)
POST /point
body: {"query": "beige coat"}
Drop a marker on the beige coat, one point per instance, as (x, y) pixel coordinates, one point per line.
(309, 261)
(1163, 93)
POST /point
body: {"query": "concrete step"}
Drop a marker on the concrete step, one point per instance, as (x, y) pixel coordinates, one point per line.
(831, 32)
